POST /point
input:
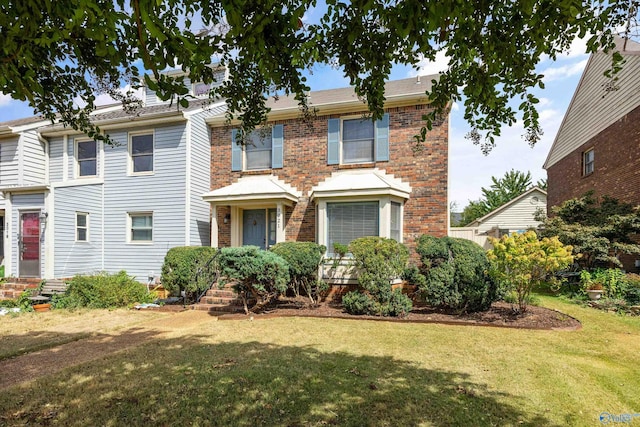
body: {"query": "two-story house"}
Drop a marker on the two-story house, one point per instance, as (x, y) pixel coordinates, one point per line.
(334, 177)
(597, 147)
(73, 205)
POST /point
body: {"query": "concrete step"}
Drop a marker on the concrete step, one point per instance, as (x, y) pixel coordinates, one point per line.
(220, 300)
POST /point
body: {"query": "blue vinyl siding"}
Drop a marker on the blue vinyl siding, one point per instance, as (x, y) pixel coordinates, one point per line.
(9, 160)
(200, 181)
(33, 160)
(162, 193)
(56, 158)
(73, 257)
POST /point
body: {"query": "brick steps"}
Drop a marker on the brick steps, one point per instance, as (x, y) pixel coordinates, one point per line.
(16, 286)
(220, 300)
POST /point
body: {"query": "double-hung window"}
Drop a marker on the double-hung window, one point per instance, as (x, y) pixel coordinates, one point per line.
(141, 152)
(357, 141)
(141, 227)
(587, 162)
(263, 149)
(258, 150)
(354, 140)
(82, 227)
(87, 157)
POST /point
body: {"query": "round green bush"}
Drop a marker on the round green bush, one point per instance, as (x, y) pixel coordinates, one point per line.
(355, 302)
(184, 269)
(455, 274)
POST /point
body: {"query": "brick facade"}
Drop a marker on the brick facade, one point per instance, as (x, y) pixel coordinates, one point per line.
(616, 165)
(305, 165)
(616, 169)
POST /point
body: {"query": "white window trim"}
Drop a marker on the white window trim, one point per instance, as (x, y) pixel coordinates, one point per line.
(130, 171)
(384, 217)
(77, 160)
(129, 230)
(584, 162)
(86, 227)
(341, 146)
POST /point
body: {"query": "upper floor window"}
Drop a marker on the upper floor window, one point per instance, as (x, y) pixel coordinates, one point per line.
(141, 227)
(87, 155)
(201, 89)
(141, 152)
(82, 227)
(587, 162)
(258, 150)
(264, 149)
(358, 140)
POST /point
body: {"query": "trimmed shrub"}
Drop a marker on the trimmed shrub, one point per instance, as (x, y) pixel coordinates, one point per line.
(303, 258)
(260, 274)
(103, 290)
(355, 302)
(455, 274)
(377, 262)
(184, 270)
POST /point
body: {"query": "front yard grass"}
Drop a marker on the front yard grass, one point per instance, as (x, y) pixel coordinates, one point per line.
(302, 371)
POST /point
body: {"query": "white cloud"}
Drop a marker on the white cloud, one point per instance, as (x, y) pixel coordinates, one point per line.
(564, 71)
(106, 99)
(427, 67)
(5, 99)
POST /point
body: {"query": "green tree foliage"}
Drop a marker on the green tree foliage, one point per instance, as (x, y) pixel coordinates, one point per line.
(55, 51)
(303, 258)
(256, 274)
(501, 191)
(453, 274)
(521, 262)
(377, 262)
(599, 230)
(187, 268)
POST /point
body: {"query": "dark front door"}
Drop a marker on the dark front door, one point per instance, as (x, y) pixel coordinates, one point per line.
(254, 223)
(29, 244)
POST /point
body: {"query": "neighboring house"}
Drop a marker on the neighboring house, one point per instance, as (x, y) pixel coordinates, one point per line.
(73, 205)
(515, 216)
(597, 147)
(333, 178)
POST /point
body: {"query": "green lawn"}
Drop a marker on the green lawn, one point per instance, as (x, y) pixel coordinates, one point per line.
(307, 372)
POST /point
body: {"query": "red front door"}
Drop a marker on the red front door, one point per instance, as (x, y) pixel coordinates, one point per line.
(29, 244)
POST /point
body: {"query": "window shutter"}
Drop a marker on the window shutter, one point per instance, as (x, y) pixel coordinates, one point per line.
(236, 152)
(277, 146)
(333, 142)
(382, 139)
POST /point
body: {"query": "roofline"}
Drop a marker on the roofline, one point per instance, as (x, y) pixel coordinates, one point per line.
(151, 119)
(506, 205)
(546, 164)
(340, 107)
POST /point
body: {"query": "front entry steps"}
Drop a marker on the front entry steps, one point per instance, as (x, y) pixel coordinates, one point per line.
(221, 300)
(14, 286)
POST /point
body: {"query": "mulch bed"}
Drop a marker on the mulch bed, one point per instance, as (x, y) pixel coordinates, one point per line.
(500, 314)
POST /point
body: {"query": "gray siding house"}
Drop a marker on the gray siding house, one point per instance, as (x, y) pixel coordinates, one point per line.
(72, 205)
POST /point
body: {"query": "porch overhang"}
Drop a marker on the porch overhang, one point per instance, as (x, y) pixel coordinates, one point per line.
(37, 188)
(361, 183)
(253, 190)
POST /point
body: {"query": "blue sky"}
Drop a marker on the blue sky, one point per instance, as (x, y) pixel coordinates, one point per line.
(469, 169)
